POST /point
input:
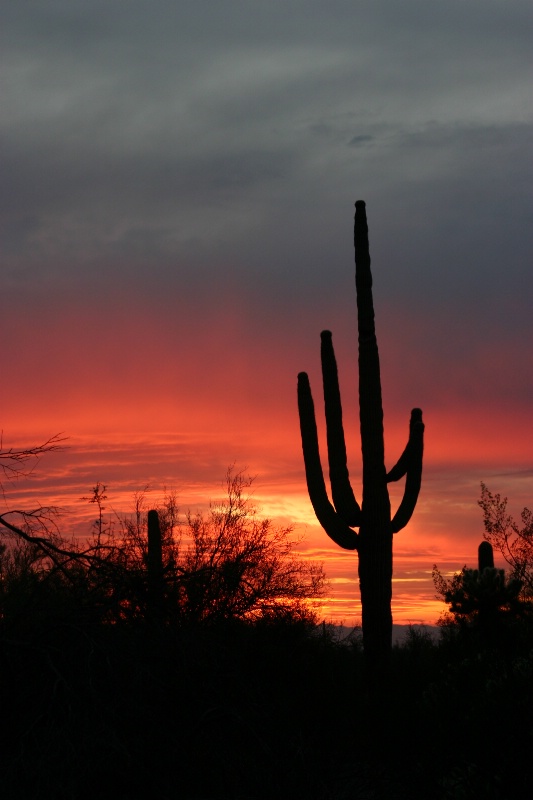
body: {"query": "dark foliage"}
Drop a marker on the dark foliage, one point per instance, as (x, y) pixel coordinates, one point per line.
(512, 541)
(486, 606)
(228, 564)
(99, 700)
(262, 709)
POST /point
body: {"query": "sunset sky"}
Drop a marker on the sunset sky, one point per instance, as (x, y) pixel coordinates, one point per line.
(178, 188)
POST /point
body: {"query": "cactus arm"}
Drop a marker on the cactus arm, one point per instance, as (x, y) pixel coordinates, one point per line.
(410, 453)
(413, 472)
(332, 523)
(343, 497)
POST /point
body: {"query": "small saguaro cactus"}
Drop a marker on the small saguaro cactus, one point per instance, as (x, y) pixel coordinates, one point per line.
(373, 541)
(155, 568)
(485, 556)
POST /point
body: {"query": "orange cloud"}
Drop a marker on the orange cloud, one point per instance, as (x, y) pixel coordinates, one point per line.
(170, 400)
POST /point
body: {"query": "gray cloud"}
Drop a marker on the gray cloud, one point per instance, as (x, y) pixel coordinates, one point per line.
(155, 142)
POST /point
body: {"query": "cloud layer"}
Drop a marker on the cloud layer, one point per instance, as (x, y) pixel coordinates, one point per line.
(176, 214)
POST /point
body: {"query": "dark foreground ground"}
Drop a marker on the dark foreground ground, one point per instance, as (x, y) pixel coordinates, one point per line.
(272, 711)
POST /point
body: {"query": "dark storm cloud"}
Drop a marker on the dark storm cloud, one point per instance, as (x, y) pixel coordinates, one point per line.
(157, 141)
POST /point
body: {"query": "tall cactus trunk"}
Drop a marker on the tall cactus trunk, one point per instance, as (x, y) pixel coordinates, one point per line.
(376, 528)
(375, 532)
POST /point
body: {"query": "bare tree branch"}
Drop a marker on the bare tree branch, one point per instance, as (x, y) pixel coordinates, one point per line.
(13, 461)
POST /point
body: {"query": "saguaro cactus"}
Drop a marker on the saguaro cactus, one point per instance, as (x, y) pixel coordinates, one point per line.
(155, 568)
(485, 556)
(373, 541)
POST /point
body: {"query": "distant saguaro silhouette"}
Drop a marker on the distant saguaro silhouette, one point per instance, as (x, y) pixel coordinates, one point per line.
(484, 598)
(373, 541)
(155, 568)
(485, 556)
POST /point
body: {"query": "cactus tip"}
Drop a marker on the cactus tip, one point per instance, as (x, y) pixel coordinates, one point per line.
(360, 213)
(324, 335)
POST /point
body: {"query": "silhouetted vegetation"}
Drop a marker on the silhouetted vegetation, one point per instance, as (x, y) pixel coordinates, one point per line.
(373, 542)
(253, 709)
(156, 660)
(17, 461)
(488, 610)
(228, 564)
(512, 541)
(136, 666)
(481, 597)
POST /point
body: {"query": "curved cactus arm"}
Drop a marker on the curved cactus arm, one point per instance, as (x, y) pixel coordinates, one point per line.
(332, 523)
(413, 473)
(343, 497)
(410, 452)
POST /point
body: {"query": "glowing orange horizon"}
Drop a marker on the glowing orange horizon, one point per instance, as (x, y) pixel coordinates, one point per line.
(171, 403)
(446, 527)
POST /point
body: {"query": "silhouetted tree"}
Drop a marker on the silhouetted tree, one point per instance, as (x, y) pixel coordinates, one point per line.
(37, 527)
(16, 462)
(515, 543)
(239, 566)
(373, 542)
(482, 597)
(98, 498)
(226, 564)
(229, 564)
